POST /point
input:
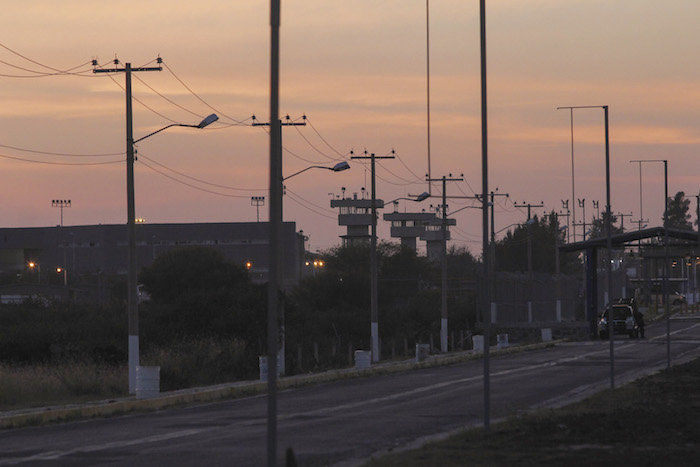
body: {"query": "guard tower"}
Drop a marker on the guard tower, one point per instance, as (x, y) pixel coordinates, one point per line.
(356, 215)
(433, 236)
(409, 226)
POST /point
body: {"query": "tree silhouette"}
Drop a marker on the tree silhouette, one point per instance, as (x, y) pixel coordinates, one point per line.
(678, 215)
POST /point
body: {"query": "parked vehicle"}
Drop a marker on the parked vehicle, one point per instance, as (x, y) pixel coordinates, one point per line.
(623, 321)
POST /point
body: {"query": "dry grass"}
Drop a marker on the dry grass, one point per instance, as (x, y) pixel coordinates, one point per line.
(44, 385)
(653, 422)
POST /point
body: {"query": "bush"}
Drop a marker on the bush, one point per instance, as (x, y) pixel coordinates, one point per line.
(200, 362)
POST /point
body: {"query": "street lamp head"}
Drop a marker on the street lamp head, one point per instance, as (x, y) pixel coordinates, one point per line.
(340, 166)
(423, 196)
(208, 121)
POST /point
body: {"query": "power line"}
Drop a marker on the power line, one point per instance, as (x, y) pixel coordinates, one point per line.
(191, 185)
(39, 74)
(219, 112)
(61, 154)
(197, 179)
(308, 208)
(5, 156)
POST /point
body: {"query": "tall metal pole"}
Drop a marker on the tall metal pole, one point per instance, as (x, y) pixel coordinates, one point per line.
(443, 267)
(132, 295)
(486, 290)
(275, 190)
(695, 264)
(608, 242)
(374, 300)
(427, 68)
(608, 229)
(374, 305)
(667, 308)
(573, 180)
(666, 268)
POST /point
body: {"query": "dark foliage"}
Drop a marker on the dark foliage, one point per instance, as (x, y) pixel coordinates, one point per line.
(542, 235)
(196, 292)
(43, 331)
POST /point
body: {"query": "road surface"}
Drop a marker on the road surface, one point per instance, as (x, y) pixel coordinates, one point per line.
(345, 422)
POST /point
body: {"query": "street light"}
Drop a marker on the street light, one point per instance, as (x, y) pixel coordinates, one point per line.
(33, 265)
(608, 228)
(666, 254)
(374, 300)
(339, 167)
(422, 197)
(65, 278)
(132, 294)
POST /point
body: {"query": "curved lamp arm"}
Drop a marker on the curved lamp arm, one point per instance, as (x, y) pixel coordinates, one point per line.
(207, 121)
(339, 167)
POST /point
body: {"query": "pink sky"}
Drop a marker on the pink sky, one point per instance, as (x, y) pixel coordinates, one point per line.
(358, 71)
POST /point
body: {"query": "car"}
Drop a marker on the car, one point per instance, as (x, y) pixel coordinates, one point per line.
(623, 321)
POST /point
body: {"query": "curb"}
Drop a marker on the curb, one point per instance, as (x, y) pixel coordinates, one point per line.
(110, 408)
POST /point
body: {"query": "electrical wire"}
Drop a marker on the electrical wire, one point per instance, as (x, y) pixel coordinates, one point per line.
(218, 112)
(309, 202)
(110, 75)
(168, 99)
(62, 154)
(141, 155)
(189, 184)
(324, 139)
(39, 74)
(5, 156)
(300, 203)
(315, 148)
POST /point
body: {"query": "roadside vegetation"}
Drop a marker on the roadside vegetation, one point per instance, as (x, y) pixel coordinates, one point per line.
(205, 323)
(651, 422)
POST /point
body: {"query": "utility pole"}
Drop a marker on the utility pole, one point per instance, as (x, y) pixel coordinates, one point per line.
(622, 220)
(257, 201)
(374, 302)
(582, 204)
(132, 293)
(443, 260)
(567, 215)
(596, 206)
(60, 203)
(278, 213)
(529, 252)
(275, 224)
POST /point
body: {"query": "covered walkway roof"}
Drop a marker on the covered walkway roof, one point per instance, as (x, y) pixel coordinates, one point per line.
(621, 240)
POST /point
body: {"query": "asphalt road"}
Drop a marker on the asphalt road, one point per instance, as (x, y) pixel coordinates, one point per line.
(345, 422)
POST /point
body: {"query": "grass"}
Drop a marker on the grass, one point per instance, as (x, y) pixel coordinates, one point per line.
(23, 387)
(191, 363)
(653, 421)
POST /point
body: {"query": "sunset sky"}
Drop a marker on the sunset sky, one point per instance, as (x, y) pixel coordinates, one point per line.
(357, 70)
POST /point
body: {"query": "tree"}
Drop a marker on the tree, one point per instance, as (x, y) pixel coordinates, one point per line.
(678, 215)
(196, 292)
(544, 235)
(598, 228)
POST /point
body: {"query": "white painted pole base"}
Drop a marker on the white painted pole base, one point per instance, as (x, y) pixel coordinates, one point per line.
(559, 311)
(443, 335)
(375, 342)
(133, 362)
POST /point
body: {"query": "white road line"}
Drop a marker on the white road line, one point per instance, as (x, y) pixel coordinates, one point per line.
(50, 455)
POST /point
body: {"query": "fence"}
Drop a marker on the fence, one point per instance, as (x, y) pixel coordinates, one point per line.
(520, 298)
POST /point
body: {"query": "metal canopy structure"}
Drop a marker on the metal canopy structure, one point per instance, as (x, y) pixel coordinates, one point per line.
(676, 237)
(623, 239)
